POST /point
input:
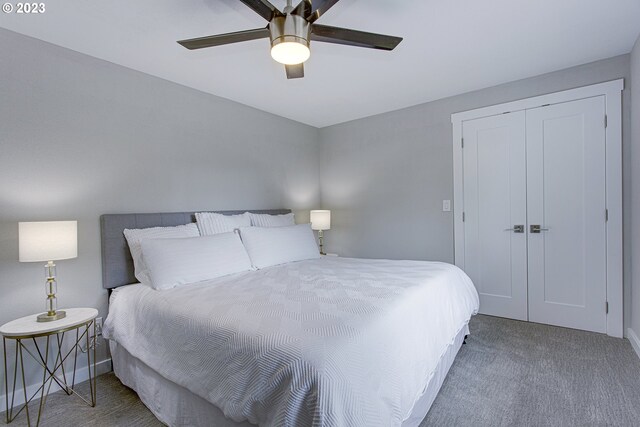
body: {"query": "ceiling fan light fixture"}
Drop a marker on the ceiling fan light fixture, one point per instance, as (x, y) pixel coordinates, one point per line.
(291, 52)
(290, 39)
(291, 31)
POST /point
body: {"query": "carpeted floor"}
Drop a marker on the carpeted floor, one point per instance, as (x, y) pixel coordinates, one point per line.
(509, 373)
(514, 373)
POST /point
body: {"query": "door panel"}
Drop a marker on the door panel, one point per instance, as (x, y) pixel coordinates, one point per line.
(566, 197)
(494, 185)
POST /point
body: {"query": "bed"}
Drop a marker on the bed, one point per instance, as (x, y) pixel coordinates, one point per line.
(323, 342)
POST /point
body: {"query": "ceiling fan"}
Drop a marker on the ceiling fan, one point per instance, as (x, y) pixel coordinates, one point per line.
(291, 31)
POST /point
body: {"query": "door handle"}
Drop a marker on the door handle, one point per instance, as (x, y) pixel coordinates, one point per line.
(535, 228)
(516, 229)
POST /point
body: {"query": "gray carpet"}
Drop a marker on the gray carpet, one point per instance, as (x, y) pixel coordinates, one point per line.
(514, 373)
(509, 373)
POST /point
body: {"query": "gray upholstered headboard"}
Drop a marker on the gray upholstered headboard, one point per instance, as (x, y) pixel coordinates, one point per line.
(117, 265)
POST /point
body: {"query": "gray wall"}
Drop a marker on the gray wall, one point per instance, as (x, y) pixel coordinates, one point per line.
(80, 137)
(384, 177)
(635, 185)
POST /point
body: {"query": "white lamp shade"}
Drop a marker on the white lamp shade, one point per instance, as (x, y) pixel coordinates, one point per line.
(47, 241)
(321, 220)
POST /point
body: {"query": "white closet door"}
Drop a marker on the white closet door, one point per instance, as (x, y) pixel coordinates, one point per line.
(494, 186)
(566, 199)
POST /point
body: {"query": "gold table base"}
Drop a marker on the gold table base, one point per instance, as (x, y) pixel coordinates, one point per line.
(49, 375)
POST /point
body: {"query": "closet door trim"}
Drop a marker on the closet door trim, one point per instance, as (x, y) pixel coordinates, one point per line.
(612, 92)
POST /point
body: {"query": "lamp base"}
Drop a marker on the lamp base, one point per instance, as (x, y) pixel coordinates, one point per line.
(45, 317)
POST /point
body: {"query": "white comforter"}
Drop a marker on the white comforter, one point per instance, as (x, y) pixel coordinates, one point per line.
(327, 342)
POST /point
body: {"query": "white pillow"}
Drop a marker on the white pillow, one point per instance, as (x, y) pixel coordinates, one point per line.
(213, 223)
(266, 220)
(269, 246)
(135, 236)
(174, 262)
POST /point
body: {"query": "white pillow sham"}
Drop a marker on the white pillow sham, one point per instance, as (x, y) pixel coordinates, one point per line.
(136, 236)
(174, 262)
(267, 220)
(269, 246)
(213, 223)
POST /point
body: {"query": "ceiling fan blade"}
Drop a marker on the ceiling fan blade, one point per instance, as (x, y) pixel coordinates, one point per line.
(295, 71)
(320, 7)
(327, 34)
(263, 8)
(228, 38)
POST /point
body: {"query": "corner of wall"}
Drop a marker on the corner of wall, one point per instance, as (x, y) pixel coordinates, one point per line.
(634, 340)
(634, 83)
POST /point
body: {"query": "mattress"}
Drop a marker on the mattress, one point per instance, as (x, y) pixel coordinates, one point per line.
(327, 342)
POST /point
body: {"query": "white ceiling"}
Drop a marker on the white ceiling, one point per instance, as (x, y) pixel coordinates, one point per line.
(450, 47)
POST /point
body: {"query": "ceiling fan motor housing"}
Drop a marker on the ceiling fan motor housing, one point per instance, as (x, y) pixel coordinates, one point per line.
(289, 28)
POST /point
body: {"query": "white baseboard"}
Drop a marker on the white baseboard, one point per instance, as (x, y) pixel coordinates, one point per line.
(634, 340)
(82, 375)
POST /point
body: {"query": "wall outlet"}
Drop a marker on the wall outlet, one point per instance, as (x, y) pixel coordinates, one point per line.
(99, 325)
(446, 206)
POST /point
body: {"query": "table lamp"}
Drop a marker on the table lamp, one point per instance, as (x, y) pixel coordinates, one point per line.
(320, 221)
(48, 241)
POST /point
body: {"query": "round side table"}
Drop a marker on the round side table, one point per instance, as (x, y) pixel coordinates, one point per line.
(28, 330)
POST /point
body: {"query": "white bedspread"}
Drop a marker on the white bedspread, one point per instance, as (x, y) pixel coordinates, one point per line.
(327, 342)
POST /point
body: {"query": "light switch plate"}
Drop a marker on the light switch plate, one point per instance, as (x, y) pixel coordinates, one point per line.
(446, 206)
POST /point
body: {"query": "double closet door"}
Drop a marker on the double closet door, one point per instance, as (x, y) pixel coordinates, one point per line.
(535, 214)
